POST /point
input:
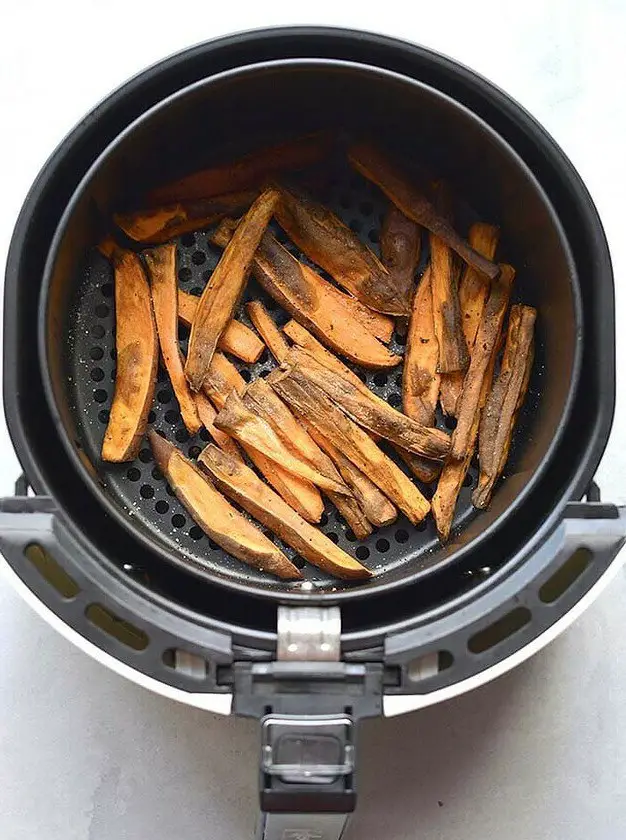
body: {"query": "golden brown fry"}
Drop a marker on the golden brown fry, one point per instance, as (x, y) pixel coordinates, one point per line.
(137, 348)
(230, 530)
(249, 172)
(265, 402)
(420, 380)
(207, 414)
(262, 399)
(375, 504)
(453, 355)
(267, 329)
(504, 402)
(301, 495)
(153, 227)
(221, 294)
(339, 320)
(237, 338)
(369, 410)
(375, 166)
(244, 487)
(161, 263)
(400, 247)
(449, 486)
(473, 291)
(324, 238)
(244, 425)
(481, 365)
(311, 403)
(423, 468)
(107, 247)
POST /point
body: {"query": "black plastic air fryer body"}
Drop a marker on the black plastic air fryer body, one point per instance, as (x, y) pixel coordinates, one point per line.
(107, 555)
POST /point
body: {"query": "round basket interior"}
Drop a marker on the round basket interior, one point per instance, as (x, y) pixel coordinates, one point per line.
(235, 113)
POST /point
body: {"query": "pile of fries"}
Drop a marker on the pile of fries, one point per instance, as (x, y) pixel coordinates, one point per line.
(313, 427)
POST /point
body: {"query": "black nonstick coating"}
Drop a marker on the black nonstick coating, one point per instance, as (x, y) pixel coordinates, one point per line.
(80, 349)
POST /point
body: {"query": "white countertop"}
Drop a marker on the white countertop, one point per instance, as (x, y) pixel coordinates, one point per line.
(541, 753)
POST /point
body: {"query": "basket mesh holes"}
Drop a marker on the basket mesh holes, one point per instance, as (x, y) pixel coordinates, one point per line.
(184, 274)
(98, 331)
(103, 415)
(146, 491)
(164, 395)
(178, 520)
(107, 290)
(350, 536)
(161, 506)
(188, 240)
(96, 353)
(394, 399)
(198, 258)
(145, 456)
(380, 379)
(100, 395)
(196, 533)
(401, 536)
(171, 416)
(382, 545)
(332, 536)
(133, 474)
(362, 552)
(450, 423)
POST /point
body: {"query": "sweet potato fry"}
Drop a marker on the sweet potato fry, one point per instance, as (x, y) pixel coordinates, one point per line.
(504, 402)
(376, 506)
(137, 358)
(369, 410)
(301, 495)
(400, 247)
(161, 263)
(312, 403)
(263, 400)
(337, 319)
(249, 172)
(453, 355)
(481, 365)
(244, 425)
(324, 238)
(207, 414)
(267, 329)
(222, 292)
(243, 486)
(230, 530)
(237, 338)
(444, 500)
(153, 227)
(473, 291)
(423, 468)
(385, 174)
(420, 380)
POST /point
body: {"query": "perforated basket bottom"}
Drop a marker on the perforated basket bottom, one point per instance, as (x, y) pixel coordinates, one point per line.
(139, 487)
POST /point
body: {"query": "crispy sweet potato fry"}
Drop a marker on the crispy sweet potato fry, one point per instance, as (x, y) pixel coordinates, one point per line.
(481, 365)
(161, 263)
(420, 380)
(453, 355)
(249, 172)
(137, 358)
(303, 496)
(207, 414)
(237, 338)
(400, 247)
(267, 329)
(504, 402)
(337, 319)
(263, 400)
(324, 238)
(222, 292)
(244, 425)
(369, 410)
(312, 403)
(153, 227)
(473, 291)
(444, 500)
(375, 166)
(230, 530)
(244, 487)
(375, 504)
(423, 468)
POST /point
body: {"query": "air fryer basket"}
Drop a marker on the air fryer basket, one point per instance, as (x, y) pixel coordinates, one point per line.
(435, 621)
(262, 104)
